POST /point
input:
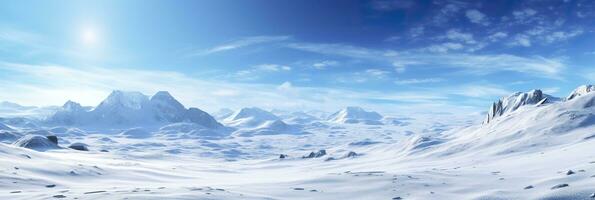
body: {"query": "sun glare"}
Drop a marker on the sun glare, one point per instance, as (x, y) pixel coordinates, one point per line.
(89, 36)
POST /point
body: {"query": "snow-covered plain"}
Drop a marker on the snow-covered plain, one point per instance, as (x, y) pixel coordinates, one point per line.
(529, 146)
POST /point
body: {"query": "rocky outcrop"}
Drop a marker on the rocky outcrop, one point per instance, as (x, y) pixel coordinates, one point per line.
(515, 101)
(36, 142)
(581, 90)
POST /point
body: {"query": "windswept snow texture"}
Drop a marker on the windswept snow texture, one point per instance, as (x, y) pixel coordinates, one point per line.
(533, 147)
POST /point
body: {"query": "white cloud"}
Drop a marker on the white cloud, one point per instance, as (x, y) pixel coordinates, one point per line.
(562, 35)
(417, 31)
(524, 16)
(243, 42)
(447, 12)
(325, 64)
(476, 17)
(445, 47)
(285, 86)
(390, 5)
(497, 36)
(273, 67)
(521, 40)
(418, 81)
(480, 91)
(255, 72)
(54, 84)
(456, 35)
(472, 63)
(377, 73)
(551, 90)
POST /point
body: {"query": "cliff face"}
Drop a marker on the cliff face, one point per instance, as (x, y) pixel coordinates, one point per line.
(515, 101)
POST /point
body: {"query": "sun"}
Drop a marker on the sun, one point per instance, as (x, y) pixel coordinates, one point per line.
(89, 36)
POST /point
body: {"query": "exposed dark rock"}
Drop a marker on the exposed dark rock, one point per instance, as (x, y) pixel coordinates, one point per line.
(528, 187)
(318, 154)
(570, 172)
(351, 154)
(36, 142)
(516, 100)
(560, 186)
(53, 139)
(79, 146)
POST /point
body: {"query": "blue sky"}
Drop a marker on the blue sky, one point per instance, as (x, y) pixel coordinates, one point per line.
(387, 55)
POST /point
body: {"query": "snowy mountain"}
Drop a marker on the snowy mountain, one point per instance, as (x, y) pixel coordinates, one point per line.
(223, 113)
(250, 117)
(69, 114)
(10, 109)
(122, 108)
(300, 118)
(355, 115)
(517, 100)
(581, 90)
(538, 148)
(255, 121)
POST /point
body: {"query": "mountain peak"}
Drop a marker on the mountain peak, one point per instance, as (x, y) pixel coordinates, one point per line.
(581, 90)
(517, 100)
(162, 94)
(127, 99)
(254, 112)
(354, 114)
(71, 105)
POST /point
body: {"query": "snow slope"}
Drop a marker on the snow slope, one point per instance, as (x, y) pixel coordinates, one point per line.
(532, 151)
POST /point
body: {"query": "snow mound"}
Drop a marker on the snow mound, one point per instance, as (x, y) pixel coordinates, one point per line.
(250, 117)
(136, 133)
(536, 129)
(514, 101)
(272, 127)
(356, 115)
(5, 127)
(581, 90)
(36, 142)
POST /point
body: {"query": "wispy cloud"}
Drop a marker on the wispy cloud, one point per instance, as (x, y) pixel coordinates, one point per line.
(390, 5)
(325, 64)
(477, 17)
(472, 63)
(255, 72)
(54, 84)
(417, 81)
(273, 67)
(481, 91)
(243, 42)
